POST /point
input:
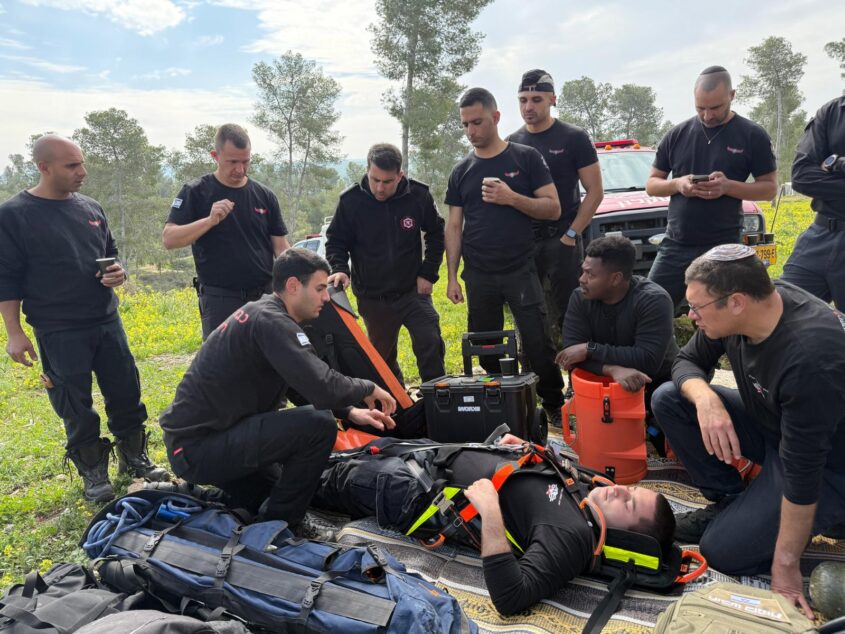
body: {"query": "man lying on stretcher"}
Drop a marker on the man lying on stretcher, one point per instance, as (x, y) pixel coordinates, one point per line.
(534, 535)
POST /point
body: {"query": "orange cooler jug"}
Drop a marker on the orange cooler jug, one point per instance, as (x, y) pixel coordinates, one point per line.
(609, 434)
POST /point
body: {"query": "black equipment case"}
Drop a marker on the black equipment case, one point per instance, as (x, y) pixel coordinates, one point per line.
(467, 408)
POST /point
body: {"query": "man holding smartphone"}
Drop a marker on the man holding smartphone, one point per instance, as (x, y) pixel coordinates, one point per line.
(710, 158)
(52, 243)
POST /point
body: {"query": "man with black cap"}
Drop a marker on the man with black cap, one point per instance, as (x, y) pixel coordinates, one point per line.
(787, 352)
(571, 158)
(817, 263)
(493, 195)
(710, 158)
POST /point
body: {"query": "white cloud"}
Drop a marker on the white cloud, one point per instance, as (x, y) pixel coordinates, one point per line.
(165, 72)
(145, 17)
(10, 43)
(43, 64)
(209, 40)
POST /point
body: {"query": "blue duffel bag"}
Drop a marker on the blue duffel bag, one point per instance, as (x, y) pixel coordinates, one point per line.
(191, 554)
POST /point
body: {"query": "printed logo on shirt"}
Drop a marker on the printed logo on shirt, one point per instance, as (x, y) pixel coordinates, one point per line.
(556, 152)
(177, 202)
(95, 223)
(735, 150)
(552, 492)
(408, 223)
(512, 174)
(760, 389)
(260, 210)
(303, 339)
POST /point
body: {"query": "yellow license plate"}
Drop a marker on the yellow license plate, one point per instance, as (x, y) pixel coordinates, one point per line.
(767, 252)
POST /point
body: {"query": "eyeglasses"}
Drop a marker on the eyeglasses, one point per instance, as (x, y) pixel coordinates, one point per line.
(695, 309)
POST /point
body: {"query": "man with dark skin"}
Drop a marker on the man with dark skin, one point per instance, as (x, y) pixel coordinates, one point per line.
(710, 158)
(493, 195)
(234, 227)
(50, 239)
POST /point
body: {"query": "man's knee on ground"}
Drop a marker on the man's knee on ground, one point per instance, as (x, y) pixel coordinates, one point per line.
(733, 554)
(664, 400)
(324, 425)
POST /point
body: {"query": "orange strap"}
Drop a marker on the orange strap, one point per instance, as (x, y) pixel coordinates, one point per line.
(468, 513)
(695, 574)
(602, 523)
(393, 386)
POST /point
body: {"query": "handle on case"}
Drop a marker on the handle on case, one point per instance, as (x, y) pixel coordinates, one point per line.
(471, 348)
(567, 409)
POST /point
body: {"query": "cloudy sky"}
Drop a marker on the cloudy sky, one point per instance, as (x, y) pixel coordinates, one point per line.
(174, 64)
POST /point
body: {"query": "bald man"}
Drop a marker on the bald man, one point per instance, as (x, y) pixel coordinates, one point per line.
(709, 157)
(51, 238)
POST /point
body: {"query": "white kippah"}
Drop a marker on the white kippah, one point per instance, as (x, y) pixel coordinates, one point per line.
(729, 253)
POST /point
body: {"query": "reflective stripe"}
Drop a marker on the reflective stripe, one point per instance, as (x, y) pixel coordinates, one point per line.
(639, 559)
(513, 541)
(448, 493)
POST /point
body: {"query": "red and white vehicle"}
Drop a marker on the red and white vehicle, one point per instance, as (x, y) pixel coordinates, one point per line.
(627, 209)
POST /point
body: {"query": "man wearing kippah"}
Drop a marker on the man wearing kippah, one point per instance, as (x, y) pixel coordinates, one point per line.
(710, 157)
(571, 158)
(787, 352)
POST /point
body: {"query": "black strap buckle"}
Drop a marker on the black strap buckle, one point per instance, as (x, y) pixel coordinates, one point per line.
(311, 593)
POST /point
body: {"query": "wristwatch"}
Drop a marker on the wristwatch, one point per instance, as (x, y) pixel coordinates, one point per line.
(829, 163)
(571, 233)
(592, 346)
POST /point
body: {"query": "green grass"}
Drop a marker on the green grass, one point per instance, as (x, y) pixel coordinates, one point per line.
(42, 514)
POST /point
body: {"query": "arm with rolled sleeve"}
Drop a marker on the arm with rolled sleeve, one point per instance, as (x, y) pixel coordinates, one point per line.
(816, 145)
(434, 226)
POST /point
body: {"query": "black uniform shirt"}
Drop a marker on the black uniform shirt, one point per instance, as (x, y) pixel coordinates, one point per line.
(497, 238)
(384, 238)
(738, 149)
(48, 253)
(637, 332)
(791, 384)
(238, 252)
(246, 366)
(823, 136)
(567, 149)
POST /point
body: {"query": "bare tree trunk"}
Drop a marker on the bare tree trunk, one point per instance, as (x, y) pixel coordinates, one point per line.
(409, 89)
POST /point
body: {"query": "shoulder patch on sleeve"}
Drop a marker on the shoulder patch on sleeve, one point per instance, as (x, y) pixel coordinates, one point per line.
(303, 339)
(177, 202)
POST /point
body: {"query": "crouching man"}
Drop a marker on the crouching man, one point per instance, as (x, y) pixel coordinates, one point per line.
(787, 352)
(225, 428)
(532, 510)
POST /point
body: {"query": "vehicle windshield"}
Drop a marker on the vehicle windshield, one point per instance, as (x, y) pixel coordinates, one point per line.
(625, 171)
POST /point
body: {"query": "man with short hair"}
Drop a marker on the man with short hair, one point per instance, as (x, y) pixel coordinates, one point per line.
(493, 195)
(555, 537)
(224, 426)
(234, 226)
(817, 263)
(710, 158)
(381, 223)
(572, 159)
(619, 324)
(51, 237)
(787, 352)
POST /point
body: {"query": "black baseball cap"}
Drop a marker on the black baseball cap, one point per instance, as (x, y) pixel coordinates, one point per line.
(536, 80)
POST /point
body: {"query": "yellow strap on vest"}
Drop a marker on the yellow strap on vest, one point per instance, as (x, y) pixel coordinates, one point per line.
(639, 559)
(448, 493)
(513, 541)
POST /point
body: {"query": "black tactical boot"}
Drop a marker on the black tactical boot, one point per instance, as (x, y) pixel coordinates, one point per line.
(132, 458)
(92, 462)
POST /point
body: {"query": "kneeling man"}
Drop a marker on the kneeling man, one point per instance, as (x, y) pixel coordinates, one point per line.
(225, 428)
(787, 352)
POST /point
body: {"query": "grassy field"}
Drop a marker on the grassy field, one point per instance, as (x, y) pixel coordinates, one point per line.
(42, 513)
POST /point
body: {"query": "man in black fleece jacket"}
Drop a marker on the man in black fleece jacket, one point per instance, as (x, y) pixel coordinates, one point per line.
(380, 223)
(787, 352)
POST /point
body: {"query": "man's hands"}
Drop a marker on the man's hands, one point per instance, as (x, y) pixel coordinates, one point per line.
(114, 277)
(630, 379)
(380, 397)
(717, 428)
(712, 189)
(483, 496)
(567, 241)
(371, 417)
(219, 211)
(496, 192)
(338, 278)
(454, 292)
(18, 347)
(787, 581)
(510, 439)
(572, 356)
(424, 286)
